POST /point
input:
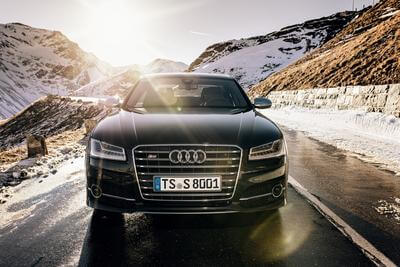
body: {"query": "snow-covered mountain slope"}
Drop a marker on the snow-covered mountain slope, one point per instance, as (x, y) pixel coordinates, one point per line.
(253, 59)
(365, 52)
(36, 62)
(160, 65)
(118, 84)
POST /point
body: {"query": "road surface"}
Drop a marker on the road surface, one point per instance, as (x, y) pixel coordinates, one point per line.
(46, 223)
(349, 187)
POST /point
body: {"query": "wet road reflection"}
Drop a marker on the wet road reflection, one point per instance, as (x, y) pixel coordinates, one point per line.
(350, 187)
(295, 235)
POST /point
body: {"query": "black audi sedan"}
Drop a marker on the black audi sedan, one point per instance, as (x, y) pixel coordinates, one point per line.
(187, 143)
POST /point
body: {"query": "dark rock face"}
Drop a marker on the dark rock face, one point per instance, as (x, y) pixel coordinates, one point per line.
(47, 117)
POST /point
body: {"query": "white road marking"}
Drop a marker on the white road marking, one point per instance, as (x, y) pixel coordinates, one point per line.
(366, 247)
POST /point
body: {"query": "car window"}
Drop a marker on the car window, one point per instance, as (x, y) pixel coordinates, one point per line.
(180, 93)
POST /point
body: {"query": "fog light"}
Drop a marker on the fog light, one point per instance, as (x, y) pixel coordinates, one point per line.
(96, 191)
(277, 190)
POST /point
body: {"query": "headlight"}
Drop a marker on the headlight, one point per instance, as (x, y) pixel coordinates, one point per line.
(270, 150)
(103, 150)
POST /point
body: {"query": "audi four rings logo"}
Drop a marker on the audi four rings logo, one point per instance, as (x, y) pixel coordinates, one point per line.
(187, 156)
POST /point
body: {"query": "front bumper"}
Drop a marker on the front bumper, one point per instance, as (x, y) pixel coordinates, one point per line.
(113, 187)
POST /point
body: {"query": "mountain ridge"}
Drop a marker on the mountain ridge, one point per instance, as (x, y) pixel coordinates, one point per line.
(365, 52)
(37, 62)
(252, 59)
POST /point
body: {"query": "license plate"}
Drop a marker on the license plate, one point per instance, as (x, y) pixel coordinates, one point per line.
(186, 184)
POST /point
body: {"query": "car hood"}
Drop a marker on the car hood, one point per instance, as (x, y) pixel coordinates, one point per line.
(129, 129)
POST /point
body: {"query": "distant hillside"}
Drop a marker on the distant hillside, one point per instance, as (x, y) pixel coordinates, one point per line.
(366, 52)
(36, 62)
(119, 84)
(160, 65)
(253, 59)
(116, 85)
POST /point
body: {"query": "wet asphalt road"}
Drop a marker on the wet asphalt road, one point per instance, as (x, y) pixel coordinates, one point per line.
(349, 187)
(47, 223)
(61, 231)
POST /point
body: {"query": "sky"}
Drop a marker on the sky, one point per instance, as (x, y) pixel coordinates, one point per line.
(124, 32)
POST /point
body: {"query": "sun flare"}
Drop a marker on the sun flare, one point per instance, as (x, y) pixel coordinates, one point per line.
(125, 32)
(116, 20)
(118, 29)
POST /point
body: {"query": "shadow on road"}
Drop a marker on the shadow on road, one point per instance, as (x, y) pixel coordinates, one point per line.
(185, 240)
(104, 241)
(295, 235)
(208, 221)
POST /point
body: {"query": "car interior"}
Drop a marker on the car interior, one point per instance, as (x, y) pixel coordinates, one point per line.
(215, 96)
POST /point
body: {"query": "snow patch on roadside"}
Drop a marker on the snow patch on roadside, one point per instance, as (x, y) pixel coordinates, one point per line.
(389, 208)
(39, 169)
(68, 171)
(374, 137)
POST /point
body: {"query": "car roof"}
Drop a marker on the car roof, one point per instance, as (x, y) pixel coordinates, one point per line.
(186, 75)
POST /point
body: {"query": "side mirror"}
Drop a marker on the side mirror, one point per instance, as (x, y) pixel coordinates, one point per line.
(261, 102)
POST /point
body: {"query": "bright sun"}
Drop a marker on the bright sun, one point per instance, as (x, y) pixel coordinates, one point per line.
(114, 22)
(118, 30)
(126, 32)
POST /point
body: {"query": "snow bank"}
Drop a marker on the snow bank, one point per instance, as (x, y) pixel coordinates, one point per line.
(374, 137)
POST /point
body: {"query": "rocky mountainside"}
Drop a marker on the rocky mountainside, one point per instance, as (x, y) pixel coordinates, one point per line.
(253, 59)
(366, 52)
(57, 119)
(118, 84)
(48, 116)
(36, 62)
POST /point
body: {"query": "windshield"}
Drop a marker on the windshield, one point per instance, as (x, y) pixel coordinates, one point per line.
(175, 94)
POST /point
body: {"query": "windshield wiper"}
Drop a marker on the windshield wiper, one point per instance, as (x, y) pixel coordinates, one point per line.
(134, 110)
(239, 110)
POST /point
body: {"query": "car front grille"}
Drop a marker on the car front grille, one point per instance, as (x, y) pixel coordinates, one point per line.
(153, 160)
